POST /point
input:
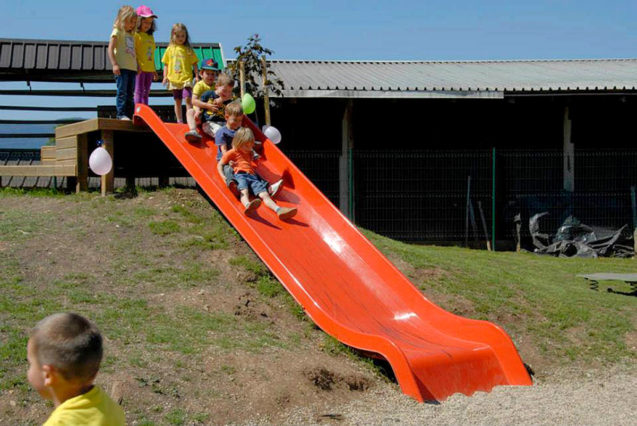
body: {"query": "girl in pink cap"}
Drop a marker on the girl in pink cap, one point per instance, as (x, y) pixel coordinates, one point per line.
(145, 53)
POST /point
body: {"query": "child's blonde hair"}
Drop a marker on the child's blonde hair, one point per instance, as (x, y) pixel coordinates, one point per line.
(70, 343)
(234, 109)
(179, 27)
(242, 136)
(123, 14)
(224, 80)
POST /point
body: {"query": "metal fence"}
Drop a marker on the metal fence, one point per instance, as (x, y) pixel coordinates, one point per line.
(421, 196)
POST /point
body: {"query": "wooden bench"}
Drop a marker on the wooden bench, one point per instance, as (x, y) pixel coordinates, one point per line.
(69, 156)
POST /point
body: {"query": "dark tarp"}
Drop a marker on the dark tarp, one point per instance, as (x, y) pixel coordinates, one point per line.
(574, 238)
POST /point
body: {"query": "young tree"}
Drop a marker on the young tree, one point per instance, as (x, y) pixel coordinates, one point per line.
(250, 54)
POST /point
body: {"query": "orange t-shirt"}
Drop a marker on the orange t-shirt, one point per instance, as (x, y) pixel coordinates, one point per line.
(242, 161)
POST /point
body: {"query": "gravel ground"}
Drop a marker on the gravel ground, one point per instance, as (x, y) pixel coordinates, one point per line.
(608, 398)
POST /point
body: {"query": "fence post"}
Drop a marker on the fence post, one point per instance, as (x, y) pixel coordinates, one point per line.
(266, 96)
(493, 199)
(345, 163)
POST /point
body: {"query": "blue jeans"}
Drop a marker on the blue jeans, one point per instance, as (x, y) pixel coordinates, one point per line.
(252, 182)
(125, 92)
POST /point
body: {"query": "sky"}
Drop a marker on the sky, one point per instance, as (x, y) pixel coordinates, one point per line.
(352, 29)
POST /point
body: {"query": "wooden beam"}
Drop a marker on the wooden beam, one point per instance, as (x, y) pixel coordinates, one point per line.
(38, 170)
(108, 180)
(82, 163)
(47, 155)
(96, 124)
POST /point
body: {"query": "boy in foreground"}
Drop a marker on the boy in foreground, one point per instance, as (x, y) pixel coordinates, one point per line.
(64, 354)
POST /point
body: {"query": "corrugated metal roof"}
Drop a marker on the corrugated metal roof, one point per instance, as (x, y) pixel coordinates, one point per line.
(477, 78)
(64, 60)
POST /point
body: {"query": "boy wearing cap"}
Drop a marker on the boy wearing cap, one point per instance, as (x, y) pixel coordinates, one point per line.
(145, 53)
(210, 108)
(208, 70)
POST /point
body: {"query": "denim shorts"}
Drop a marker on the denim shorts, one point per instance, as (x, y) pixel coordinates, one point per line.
(253, 182)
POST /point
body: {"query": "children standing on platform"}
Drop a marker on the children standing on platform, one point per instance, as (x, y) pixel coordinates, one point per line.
(180, 64)
(248, 181)
(121, 52)
(145, 53)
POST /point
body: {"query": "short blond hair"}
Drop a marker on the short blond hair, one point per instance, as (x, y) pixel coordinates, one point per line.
(224, 80)
(123, 14)
(70, 343)
(234, 109)
(242, 136)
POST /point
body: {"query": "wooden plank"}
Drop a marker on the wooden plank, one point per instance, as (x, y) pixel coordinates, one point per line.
(67, 142)
(82, 163)
(76, 128)
(97, 124)
(68, 162)
(47, 155)
(39, 170)
(66, 154)
(108, 180)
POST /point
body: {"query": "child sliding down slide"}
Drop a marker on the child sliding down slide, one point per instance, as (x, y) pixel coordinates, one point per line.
(248, 181)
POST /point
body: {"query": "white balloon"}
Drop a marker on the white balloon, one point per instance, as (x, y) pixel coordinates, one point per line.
(100, 161)
(273, 134)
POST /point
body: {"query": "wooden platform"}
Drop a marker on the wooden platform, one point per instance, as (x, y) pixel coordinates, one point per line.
(69, 156)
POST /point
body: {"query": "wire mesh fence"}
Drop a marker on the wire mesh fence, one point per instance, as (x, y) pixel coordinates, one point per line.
(422, 196)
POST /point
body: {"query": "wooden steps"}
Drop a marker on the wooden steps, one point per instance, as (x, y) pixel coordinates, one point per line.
(69, 156)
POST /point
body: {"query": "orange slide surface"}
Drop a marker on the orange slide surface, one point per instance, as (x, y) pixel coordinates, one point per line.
(348, 288)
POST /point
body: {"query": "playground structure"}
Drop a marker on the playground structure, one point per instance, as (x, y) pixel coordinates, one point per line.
(343, 282)
(346, 285)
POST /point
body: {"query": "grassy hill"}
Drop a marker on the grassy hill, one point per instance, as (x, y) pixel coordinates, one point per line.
(197, 330)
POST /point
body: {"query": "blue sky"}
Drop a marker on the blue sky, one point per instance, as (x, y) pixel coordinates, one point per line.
(356, 29)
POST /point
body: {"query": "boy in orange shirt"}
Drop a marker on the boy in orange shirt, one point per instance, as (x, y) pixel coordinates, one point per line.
(241, 157)
(64, 354)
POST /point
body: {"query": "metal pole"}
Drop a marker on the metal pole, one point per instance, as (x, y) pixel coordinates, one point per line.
(493, 200)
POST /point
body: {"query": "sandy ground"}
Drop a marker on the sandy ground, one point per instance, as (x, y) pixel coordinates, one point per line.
(608, 398)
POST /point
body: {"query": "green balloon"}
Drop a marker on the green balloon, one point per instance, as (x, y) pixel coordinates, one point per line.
(248, 104)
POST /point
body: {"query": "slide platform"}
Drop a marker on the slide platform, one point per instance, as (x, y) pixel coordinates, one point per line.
(346, 286)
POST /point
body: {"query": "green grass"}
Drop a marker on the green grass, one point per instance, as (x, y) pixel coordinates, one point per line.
(540, 297)
(144, 265)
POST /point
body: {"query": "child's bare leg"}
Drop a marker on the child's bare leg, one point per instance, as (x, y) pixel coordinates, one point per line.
(245, 200)
(178, 115)
(282, 212)
(268, 201)
(249, 205)
(188, 104)
(190, 119)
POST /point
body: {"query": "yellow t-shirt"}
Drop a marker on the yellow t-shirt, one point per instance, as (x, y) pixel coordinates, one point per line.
(125, 49)
(145, 51)
(200, 88)
(94, 408)
(178, 60)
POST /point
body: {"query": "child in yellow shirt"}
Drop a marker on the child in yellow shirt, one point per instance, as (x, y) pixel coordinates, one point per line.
(121, 53)
(145, 53)
(64, 352)
(180, 65)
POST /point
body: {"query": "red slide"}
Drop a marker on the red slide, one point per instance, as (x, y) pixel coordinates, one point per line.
(346, 285)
